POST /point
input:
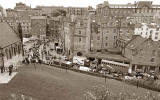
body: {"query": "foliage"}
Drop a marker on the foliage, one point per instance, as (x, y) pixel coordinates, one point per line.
(102, 93)
(79, 54)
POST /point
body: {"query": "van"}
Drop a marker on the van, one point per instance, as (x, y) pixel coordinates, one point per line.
(79, 60)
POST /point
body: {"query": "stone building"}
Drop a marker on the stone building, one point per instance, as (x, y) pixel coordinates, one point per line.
(15, 21)
(11, 46)
(54, 27)
(38, 26)
(21, 6)
(110, 33)
(76, 36)
(141, 18)
(106, 9)
(144, 54)
(78, 11)
(50, 10)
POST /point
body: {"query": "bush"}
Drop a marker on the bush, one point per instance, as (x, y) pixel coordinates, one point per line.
(145, 83)
(79, 54)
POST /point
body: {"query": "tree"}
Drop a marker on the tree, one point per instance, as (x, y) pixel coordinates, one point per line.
(79, 54)
(62, 12)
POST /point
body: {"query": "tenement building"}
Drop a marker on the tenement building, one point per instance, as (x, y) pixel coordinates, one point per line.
(76, 37)
(124, 10)
(38, 26)
(143, 54)
(54, 28)
(110, 33)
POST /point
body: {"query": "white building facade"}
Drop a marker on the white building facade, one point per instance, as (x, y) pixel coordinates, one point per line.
(148, 30)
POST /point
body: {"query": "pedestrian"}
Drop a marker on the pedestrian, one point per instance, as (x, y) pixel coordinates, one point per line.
(105, 78)
(2, 69)
(137, 84)
(10, 69)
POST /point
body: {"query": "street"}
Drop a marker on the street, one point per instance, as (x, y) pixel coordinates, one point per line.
(50, 83)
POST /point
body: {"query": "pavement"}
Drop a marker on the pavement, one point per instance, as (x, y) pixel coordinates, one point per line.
(5, 78)
(44, 82)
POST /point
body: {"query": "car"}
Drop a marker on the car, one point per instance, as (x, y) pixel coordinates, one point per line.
(115, 75)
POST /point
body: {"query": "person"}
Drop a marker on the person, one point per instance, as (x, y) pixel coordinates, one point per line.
(137, 83)
(105, 76)
(2, 69)
(10, 69)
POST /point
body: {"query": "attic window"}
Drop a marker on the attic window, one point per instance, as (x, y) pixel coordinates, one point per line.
(132, 46)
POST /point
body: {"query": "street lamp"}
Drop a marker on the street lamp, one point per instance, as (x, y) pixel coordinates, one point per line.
(1, 59)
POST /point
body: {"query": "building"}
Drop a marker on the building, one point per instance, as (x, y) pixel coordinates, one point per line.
(38, 26)
(21, 6)
(78, 11)
(11, 46)
(141, 18)
(147, 30)
(1, 11)
(143, 54)
(15, 21)
(50, 10)
(76, 36)
(54, 27)
(124, 10)
(109, 33)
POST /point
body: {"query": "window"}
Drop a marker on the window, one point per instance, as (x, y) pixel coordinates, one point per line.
(6, 52)
(157, 28)
(114, 30)
(152, 59)
(156, 37)
(10, 54)
(106, 38)
(106, 44)
(80, 39)
(79, 32)
(153, 52)
(98, 38)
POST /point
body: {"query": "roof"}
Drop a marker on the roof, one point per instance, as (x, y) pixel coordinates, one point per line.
(135, 41)
(38, 17)
(138, 25)
(108, 56)
(7, 35)
(142, 15)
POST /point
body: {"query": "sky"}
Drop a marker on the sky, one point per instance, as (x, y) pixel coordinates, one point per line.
(74, 3)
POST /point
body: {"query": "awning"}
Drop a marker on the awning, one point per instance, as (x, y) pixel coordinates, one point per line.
(109, 56)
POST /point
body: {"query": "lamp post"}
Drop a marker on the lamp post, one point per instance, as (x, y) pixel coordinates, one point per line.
(1, 60)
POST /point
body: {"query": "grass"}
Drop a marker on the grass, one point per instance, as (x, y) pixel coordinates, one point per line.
(103, 93)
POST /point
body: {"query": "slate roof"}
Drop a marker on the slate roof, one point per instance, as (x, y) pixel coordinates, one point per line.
(134, 42)
(7, 35)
